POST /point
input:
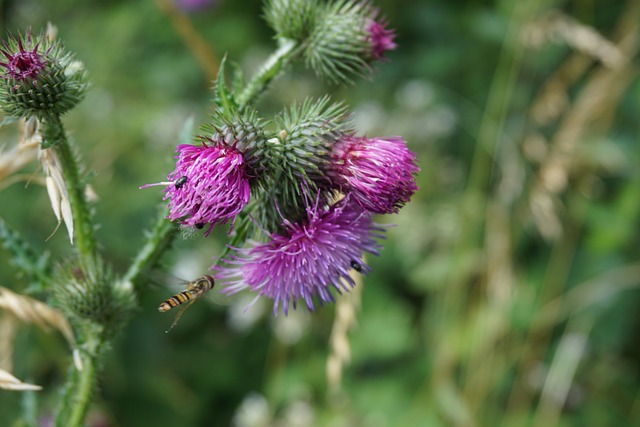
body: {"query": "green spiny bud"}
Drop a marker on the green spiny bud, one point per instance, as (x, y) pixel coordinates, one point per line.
(40, 78)
(91, 294)
(338, 45)
(292, 19)
(346, 39)
(243, 131)
(306, 136)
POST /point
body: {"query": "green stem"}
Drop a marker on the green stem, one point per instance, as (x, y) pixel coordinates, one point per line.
(56, 138)
(158, 240)
(78, 393)
(288, 49)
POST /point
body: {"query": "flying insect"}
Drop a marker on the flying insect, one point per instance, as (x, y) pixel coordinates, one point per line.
(194, 290)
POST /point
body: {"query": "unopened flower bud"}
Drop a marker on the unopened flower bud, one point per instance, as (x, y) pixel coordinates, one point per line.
(292, 19)
(40, 79)
(90, 294)
(346, 39)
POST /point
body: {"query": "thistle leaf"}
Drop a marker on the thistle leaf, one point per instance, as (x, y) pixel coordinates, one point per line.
(224, 99)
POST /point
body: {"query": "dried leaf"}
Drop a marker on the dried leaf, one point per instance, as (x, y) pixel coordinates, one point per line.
(58, 195)
(31, 311)
(54, 197)
(9, 382)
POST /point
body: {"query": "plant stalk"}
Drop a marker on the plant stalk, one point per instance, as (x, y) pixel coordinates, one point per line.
(277, 61)
(56, 138)
(78, 393)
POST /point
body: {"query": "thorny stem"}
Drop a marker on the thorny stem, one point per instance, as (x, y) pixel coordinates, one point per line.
(78, 392)
(159, 239)
(276, 62)
(56, 138)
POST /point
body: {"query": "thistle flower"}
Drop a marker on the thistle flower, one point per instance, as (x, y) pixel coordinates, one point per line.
(209, 185)
(40, 79)
(306, 259)
(379, 173)
(380, 38)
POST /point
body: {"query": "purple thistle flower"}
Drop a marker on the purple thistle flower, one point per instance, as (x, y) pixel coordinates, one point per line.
(307, 259)
(208, 186)
(23, 64)
(381, 38)
(379, 173)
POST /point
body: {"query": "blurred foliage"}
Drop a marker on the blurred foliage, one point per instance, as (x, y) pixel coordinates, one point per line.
(507, 293)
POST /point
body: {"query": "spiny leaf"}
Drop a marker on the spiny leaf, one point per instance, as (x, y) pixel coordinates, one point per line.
(34, 266)
(224, 99)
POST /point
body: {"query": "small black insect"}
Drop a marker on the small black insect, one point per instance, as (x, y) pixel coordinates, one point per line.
(200, 225)
(180, 182)
(356, 266)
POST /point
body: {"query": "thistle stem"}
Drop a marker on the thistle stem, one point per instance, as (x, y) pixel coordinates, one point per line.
(56, 138)
(276, 62)
(77, 395)
(158, 240)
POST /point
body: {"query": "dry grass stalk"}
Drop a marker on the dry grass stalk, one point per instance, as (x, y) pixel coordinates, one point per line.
(7, 336)
(493, 317)
(558, 27)
(21, 154)
(9, 382)
(31, 311)
(597, 99)
(201, 50)
(346, 318)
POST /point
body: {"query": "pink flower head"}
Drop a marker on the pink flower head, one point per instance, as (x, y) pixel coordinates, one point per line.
(381, 38)
(23, 64)
(379, 173)
(208, 186)
(307, 259)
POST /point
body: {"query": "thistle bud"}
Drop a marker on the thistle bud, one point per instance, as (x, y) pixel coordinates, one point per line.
(307, 133)
(346, 39)
(292, 19)
(39, 78)
(90, 294)
(244, 132)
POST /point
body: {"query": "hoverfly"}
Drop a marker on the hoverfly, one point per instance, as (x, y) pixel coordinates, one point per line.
(195, 289)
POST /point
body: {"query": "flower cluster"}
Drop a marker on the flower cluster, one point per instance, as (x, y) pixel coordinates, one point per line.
(303, 193)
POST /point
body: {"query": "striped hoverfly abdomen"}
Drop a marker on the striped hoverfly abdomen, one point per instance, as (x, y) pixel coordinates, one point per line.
(195, 289)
